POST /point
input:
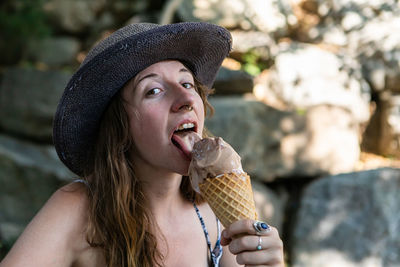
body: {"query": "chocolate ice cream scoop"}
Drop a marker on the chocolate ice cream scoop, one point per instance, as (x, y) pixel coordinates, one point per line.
(212, 157)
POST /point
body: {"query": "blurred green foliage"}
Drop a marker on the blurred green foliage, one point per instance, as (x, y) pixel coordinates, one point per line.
(20, 22)
(252, 63)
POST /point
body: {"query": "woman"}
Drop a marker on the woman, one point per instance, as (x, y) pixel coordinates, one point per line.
(133, 205)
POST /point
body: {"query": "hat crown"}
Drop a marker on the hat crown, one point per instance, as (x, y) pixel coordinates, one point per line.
(114, 61)
(117, 36)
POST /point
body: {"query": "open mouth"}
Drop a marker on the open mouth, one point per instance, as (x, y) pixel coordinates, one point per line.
(182, 140)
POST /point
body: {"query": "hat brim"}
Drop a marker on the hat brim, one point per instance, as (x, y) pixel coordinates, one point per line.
(200, 46)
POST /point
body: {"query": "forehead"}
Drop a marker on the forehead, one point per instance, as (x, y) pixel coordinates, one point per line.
(162, 66)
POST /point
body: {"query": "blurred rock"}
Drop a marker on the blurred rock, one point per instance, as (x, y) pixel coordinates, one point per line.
(29, 174)
(54, 52)
(269, 206)
(328, 143)
(349, 220)
(345, 16)
(267, 16)
(306, 75)
(379, 49)
(259, 43)
(74, 16)
(274, 143)
(233, 82)
(125, 9)
(28, 101)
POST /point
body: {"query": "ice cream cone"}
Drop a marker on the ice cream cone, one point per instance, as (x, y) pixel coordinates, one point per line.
(230, 196)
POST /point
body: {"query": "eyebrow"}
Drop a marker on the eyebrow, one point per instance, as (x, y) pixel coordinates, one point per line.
(150, 75)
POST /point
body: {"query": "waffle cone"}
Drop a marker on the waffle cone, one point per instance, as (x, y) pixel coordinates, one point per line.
(230, 196)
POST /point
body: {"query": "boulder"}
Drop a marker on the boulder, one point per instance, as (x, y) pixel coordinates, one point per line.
(54, 52)
(349, 220)
(73, 16)
(233, 82)
(28, 101)
(379, 49)
(258, 43)
(339, 18)
(29, 174)
(307, 75)
(266, 16)
(275, 143)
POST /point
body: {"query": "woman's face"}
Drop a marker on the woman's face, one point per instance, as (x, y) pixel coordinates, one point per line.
(158, 100)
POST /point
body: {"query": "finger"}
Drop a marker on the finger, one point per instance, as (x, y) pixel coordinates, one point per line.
(225, 241)
(245, 227)
(253, 243)
(270, 257)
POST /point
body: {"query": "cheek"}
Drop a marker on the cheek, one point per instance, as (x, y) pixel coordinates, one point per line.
(200, 113)
(144, 122)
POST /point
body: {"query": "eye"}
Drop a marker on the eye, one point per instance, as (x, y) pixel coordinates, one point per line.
(187, 85)
(153, 91)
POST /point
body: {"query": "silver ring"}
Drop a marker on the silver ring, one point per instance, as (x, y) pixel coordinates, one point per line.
(259, 247)
(261, 227)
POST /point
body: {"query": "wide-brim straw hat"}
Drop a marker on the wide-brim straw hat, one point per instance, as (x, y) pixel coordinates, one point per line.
(114, 61)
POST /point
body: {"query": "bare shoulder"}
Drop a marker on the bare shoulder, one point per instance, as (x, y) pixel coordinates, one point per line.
(57, 234)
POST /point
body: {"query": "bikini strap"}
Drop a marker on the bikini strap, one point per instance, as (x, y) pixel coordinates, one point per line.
(216, 253)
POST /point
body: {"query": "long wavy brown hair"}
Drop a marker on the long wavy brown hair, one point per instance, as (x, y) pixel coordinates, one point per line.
(120, 221)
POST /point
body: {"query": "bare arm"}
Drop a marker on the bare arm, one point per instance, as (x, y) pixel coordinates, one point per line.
(55, 236)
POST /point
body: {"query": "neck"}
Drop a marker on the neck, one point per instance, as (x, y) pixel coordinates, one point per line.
(162, 190)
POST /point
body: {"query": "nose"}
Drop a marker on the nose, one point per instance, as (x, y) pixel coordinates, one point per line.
(183, 99)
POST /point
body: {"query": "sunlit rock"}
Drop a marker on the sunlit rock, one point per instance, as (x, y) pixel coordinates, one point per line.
(349, 220)
(298, 143)
(307, 75)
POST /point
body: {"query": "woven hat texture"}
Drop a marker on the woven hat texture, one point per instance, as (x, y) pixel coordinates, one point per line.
(114, 61)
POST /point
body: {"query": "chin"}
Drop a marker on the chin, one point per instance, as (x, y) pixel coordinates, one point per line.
(183, 170)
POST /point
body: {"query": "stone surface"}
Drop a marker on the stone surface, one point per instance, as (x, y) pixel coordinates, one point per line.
(379, 49)
(274, 143)
(73, 16)
(306, 75)
(28, 101)
(259, 43)
(328, 143)
(265, 16)
(54, 51)
(346, 16)
(233, 82)
(349, 220)
(29, 174)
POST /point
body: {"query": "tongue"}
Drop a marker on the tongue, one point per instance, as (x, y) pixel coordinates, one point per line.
(186, 141)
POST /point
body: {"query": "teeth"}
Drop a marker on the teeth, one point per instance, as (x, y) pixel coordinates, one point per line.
(185, 126)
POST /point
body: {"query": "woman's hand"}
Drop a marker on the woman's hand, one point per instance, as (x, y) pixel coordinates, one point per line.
(253, 248)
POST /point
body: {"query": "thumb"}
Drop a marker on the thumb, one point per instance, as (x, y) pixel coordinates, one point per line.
(224, 239)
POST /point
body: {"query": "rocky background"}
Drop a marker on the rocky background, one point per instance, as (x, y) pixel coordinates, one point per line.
(309, 97)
